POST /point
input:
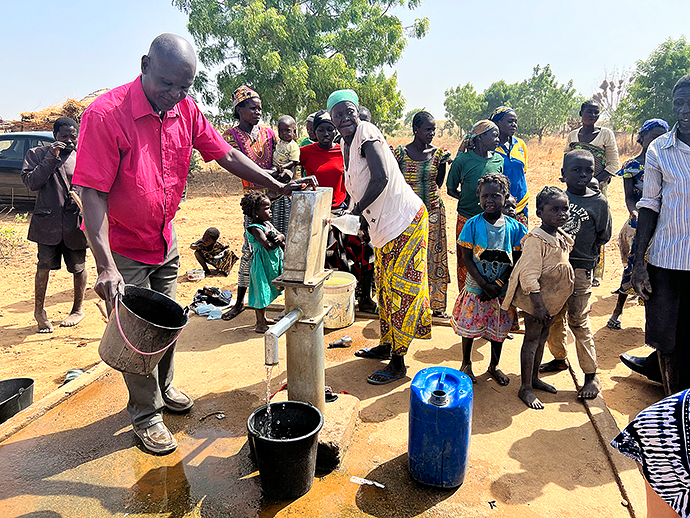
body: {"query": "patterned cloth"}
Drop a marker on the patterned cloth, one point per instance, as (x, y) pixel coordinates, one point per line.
(634, 170)
(667, 192)
(421, 176)
(461, 268)
(402, 286)
(657, 438)
(218, 255)
(479, 128)
(280, 213)
(473, 318)
(492, 252)
(603, 148)
(514, 167)
(499, 113)
(266, 266)
(353, 254)
(242, 94)
(257, 145)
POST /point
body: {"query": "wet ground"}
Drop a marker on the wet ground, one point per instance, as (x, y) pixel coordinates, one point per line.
(82, 459)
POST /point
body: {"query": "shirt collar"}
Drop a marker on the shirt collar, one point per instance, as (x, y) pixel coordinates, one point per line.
(141, 106)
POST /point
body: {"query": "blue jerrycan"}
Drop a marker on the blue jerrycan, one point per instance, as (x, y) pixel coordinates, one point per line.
(440, 426)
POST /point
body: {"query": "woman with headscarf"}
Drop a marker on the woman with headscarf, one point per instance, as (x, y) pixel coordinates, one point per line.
(398, 225)
(258, 143)
(514, 153)
(424, 169)
(347, 253)
(475, 158)
(633, 178)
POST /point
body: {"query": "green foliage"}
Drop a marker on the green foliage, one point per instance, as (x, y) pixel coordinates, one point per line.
(541, 104)
(294, 54)
(464, 106)
(10, 238)
(498, 94)
(410, 115)
(650, 92)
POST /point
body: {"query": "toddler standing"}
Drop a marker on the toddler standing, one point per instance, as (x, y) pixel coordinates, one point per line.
(490, 244)
(541, 283)
(267, 255)
(589, 224)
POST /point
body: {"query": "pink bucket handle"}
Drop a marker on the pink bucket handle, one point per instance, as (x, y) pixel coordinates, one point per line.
(122, 333)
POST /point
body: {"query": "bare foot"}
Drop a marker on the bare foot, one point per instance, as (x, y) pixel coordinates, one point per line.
(538, 384)
(591, 388)
(530, 399)
(498, 375)
(233, 312)
(44, 325)
(73, 319)
(467, 369)
(261, 329)
(554, 366)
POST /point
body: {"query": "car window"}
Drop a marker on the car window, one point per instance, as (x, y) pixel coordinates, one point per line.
(13, 149)
(40, 142)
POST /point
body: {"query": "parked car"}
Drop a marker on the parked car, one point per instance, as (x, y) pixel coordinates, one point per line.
(13, 148)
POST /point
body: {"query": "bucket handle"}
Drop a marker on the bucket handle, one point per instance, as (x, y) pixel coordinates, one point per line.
(129, 344)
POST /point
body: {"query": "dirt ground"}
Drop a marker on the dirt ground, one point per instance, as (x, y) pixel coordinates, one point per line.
(214, 201)
(547, 463)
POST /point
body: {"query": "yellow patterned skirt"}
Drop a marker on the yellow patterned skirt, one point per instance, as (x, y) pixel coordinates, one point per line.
(402, 286)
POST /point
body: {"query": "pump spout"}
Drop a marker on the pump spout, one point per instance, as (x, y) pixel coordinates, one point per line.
(275, 332)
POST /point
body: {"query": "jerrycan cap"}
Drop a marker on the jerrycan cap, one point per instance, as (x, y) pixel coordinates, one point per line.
(438, 398)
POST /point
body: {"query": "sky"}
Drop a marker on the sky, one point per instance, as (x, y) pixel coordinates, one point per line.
(69, 49)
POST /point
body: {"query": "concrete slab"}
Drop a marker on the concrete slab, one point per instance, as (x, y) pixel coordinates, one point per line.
(81, 458)
(335, 437)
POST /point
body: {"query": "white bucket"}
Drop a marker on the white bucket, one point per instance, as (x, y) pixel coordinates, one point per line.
(339, 292)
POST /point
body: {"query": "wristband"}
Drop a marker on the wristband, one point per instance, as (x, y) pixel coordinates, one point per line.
(499, 282)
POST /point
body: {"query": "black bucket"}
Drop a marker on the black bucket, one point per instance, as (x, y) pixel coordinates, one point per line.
(16, 394)
(287, 459)
(140, 330)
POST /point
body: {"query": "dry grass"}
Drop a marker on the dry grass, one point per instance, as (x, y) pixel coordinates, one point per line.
(214, 181)
(544, 166)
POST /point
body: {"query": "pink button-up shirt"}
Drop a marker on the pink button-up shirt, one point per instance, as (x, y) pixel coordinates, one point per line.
(142, 162)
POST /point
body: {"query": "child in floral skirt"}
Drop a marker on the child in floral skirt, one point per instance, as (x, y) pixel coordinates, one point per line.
(490, 244)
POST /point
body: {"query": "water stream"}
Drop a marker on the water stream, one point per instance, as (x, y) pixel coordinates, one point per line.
(269, 418)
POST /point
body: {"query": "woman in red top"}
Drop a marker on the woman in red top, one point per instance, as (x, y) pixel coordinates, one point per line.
(353, 254)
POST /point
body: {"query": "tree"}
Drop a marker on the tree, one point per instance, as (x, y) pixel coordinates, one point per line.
(464, 106)
(296, 53)
(649, 93)
(410, 115)
(541, 104)
(498, 94)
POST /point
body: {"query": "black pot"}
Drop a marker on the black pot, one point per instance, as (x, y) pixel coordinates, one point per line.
(16, 394)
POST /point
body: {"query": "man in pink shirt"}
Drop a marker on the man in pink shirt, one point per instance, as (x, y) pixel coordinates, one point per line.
(135, 146)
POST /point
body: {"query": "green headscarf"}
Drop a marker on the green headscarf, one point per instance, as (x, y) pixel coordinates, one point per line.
(340, 96)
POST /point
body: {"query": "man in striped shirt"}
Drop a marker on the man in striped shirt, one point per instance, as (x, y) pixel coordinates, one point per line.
(663, 279)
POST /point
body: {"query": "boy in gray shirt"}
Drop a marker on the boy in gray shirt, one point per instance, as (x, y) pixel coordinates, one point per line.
(589, 225)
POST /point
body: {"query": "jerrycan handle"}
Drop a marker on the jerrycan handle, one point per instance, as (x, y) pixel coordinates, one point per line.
(439, 397)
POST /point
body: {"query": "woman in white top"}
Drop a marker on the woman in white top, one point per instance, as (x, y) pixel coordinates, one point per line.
(398, 225)
(600, 141)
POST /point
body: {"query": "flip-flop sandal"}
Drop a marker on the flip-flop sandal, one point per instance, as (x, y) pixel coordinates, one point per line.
(367, 353)
(441, 314)
(614, 324)
(389, 378)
